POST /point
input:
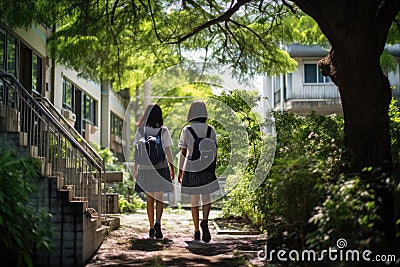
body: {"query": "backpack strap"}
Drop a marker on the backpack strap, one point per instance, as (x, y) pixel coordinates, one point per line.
(208, 132)
(142, 132)
(192, 132)
(195, 135)
(160, 131)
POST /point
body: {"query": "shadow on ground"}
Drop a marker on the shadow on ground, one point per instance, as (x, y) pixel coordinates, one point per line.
(150, 244)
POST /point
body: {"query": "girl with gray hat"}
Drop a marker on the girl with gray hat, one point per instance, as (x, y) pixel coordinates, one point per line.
(197, 172)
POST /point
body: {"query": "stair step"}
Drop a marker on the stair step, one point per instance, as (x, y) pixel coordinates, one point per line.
(11, 119)
(34, 151)
(60, 179)
(79, 199)
(23, 139)
(3, 110)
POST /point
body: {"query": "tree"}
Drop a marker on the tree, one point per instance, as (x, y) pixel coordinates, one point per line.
(358, 33)
(247, 35)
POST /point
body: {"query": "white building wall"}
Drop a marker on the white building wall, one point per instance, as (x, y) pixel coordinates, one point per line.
(116, 105)
(297, 77)
(394, 78)
(34, 38)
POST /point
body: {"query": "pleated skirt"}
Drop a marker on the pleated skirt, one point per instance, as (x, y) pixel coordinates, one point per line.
(201, 182)
(154, 180)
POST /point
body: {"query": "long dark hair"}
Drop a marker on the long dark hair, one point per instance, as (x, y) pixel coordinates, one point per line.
(152, 117)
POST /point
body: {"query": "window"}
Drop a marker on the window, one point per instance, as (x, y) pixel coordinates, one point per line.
(36, 73)
(89, 109)
(11, 55)
(312, 74)
(68, 95)
(116, 124)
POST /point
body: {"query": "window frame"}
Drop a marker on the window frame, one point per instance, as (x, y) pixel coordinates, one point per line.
(319, 79)
(39, 82)
(14, 56)
(89, 103)
(65, 104)
(116, 124)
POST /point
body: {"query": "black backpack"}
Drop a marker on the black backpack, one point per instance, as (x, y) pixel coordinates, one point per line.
(204, 155)
(149, 150)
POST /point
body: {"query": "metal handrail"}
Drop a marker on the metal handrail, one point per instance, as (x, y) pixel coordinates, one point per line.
(51, 118)
(69, 127)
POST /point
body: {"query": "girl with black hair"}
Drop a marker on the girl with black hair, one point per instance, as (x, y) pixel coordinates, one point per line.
(156, 179)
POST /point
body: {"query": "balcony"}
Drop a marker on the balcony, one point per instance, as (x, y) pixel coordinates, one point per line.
(324, 98)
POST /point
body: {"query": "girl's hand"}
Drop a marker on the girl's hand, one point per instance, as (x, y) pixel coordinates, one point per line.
(180, 176)
(172, 172)
(135, 171)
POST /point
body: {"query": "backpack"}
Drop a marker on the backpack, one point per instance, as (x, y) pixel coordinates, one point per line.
(149, 150)
(204, 155)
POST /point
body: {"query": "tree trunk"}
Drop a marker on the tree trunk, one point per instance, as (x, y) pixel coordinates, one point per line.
(357, 31)
(366, 95)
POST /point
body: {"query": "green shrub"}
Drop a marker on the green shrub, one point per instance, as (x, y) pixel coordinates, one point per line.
(23, 228)
(307, 158)
(305, 201)
(130, 207)
(349, 211)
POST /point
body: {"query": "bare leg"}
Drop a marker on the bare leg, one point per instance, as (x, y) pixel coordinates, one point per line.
(195, 211)
(150, 209)
(159, 205)
(206, 205)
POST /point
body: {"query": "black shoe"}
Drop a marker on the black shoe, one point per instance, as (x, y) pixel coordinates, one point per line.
(151, 232)
(157, 228)
(197, 235)
(206, 233)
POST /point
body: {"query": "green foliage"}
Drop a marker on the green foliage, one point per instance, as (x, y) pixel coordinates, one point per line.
(240, 133)
(123, 189)
(23, 228)
(130, 207)
(349, 211)
(308, 157)
(388, 62)
(353, 205)
(301, 28)
(110, 161)
(394, 115)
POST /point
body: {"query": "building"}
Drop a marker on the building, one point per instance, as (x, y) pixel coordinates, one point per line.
(306, 89)
(48, 112)
(95, 111)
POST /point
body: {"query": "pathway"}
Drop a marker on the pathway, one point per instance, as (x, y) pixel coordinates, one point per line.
(130, 246)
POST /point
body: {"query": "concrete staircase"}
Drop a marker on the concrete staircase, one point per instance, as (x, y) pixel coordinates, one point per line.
(78, 229)
(72, 174)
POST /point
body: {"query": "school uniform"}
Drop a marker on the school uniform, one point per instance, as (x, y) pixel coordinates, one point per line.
(197, 181)
(154, 178)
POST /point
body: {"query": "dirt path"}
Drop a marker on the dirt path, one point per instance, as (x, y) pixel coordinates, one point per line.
(130, 246)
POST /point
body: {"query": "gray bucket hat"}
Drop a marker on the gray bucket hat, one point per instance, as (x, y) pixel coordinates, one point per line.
(197, 110)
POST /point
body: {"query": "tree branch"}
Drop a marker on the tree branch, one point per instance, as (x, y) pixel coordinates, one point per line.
(328, 66)
(385, 15)
(113, 12)
(224, 17)
(289, 6)
(252, 31)
(153, 21)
